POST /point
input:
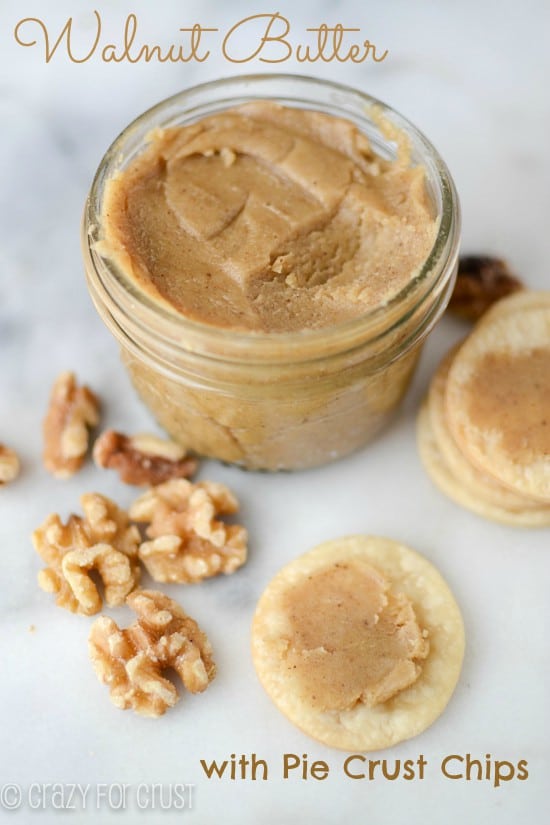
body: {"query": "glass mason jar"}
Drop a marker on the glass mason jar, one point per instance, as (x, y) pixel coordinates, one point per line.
(271, 400)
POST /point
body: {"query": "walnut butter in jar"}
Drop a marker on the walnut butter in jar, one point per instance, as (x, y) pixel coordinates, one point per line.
(270, 252)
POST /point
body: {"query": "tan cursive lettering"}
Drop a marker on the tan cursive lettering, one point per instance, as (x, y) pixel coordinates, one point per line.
(270, 43)
(196, 34)
(267, 37)
(174, 54)
(329, 48)
(64, 35)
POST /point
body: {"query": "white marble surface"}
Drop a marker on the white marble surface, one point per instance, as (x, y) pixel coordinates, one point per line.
(473, 76)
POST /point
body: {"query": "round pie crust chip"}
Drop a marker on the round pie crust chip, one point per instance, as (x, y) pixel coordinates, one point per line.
(481, 497)
(524, 299)
(407, 713)
(498, 400)
(457, 477)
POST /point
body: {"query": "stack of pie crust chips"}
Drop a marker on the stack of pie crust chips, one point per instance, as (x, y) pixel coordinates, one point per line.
(484, 427)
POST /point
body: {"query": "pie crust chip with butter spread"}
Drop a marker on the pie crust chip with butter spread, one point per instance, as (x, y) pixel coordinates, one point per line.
(457, 477)
(524, 299)
(480, 493)
(483, 431)
(359, 643)
(498, 400)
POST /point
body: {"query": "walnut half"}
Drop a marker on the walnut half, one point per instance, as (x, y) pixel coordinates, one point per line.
(72, 409)
(480, 282)
(131, 661)
(9, 465)
(102, 541)
(143, 459)
(188, 542)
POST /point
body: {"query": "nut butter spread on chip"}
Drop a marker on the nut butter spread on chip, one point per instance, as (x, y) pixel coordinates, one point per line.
(350, 639)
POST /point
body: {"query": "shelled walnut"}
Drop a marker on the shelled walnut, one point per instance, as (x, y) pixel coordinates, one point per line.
(143, 459)
(103, 541)
(131, 661)
(71, 411)
(188, 541)
(480, 282)
(9, 465)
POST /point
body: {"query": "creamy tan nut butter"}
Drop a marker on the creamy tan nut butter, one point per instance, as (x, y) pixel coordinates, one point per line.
(268, 218)
(271, 252)
(349, 639)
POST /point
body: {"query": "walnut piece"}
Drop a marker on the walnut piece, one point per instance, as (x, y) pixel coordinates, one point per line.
(188, 542)
(72, 409)
(131, 661)
(9, 465)
(143, 459)
(103, 541)
(481, 281)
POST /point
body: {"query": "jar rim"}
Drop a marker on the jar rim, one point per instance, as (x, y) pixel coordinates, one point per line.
(112, 287)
